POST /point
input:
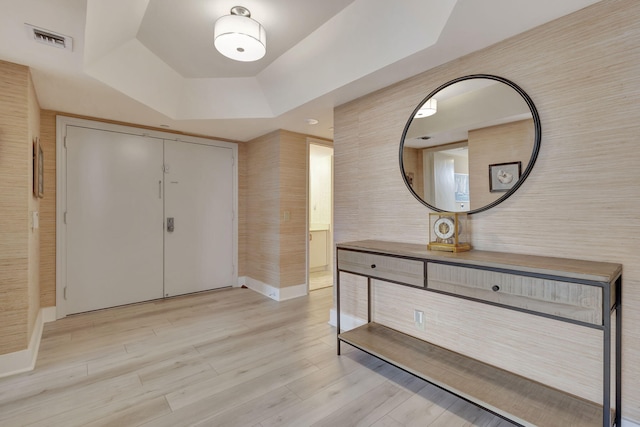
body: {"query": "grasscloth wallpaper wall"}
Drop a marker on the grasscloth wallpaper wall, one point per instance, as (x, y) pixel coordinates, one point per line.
(19, 243)
(263, 223)
(33, 120)
(48, 211)
(581, 200)
(276, 169)
(293, 199)
(511, 142)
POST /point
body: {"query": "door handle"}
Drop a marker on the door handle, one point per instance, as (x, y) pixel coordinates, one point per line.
(170, 225)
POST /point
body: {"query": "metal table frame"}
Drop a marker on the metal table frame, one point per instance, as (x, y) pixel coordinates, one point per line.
(605, 327)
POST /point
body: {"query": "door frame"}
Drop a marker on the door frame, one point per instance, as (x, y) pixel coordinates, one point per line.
(61, 188)
(325, 143)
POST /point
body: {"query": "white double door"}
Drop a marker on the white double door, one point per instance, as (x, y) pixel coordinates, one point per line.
(120, 190)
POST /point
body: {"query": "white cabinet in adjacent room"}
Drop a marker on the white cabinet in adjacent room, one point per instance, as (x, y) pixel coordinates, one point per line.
(318, 243)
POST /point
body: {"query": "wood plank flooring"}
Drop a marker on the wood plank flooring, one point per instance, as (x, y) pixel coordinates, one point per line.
(230, 357)
(320, 279)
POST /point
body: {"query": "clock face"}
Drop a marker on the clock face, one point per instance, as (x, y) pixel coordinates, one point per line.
(444, 228)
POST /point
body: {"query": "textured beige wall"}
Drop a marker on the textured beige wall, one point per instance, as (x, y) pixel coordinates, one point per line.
(511, 142)
(34, 206)
(48, 211)
(277, 185)
(242, 209)
(15, 194)
(412, 161)
(581, 200)
(263, 209)
(293, 199)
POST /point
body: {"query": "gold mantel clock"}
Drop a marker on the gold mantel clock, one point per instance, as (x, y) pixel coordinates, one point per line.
(448, 232)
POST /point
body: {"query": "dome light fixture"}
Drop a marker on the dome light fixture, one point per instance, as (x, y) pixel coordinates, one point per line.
(239, 37)
(429, 108)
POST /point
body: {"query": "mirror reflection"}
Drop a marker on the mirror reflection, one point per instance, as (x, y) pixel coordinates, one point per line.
(466, 146)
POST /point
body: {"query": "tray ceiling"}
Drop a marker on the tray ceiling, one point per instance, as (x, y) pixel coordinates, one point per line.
(152, 62)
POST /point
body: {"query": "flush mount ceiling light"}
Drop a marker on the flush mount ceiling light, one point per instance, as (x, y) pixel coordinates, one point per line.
(429, 108)
(239, 37)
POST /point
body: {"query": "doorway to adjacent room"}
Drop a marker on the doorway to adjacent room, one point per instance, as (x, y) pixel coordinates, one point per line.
(320, 260)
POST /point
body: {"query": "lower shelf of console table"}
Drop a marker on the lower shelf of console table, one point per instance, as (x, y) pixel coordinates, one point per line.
(530, 403)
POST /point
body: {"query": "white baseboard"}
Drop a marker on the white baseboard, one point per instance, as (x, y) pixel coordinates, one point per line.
(347, 321)
(291, 292)
(48, 314)
(628, 423)
(272, 292)
(25, 360)
(242, 281)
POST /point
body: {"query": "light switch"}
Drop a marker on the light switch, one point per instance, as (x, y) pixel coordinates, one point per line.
(418, 319)
(35, 220)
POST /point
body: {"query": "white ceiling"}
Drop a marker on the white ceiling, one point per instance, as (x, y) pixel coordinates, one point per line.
(152, 62)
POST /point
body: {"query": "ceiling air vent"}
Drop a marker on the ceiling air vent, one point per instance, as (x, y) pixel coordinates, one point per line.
(50, 38)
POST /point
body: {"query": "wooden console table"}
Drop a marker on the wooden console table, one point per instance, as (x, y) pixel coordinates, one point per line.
(584, 293)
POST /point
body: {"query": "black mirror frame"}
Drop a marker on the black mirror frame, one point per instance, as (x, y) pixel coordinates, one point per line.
(534, 154)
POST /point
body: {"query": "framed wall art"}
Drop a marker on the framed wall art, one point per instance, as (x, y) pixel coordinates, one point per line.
(503, 176)
(38, 169)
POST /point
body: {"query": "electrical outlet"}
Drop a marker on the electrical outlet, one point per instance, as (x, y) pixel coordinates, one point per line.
(418, 319)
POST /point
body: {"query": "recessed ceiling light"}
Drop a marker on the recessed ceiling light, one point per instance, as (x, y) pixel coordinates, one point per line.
(165, 126)
(311, 121)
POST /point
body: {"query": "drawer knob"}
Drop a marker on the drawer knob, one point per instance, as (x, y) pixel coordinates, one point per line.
(495, 288)
(373, 266)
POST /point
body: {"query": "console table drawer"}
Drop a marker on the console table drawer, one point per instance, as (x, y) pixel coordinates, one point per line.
(563, 299)
(401, 270)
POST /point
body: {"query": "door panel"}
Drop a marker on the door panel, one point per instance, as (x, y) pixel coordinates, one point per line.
(444, 181)
(199, 198)
(114, 220)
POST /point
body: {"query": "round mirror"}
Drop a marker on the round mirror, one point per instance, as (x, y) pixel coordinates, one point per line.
(470, 144)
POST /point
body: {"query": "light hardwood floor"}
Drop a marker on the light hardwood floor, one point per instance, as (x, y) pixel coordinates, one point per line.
(225, 358)
(320, 279)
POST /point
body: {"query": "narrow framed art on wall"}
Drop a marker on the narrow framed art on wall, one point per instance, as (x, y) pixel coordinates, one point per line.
(38, 169)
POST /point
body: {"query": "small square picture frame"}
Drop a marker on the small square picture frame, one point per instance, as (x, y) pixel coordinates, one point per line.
(503, 176)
